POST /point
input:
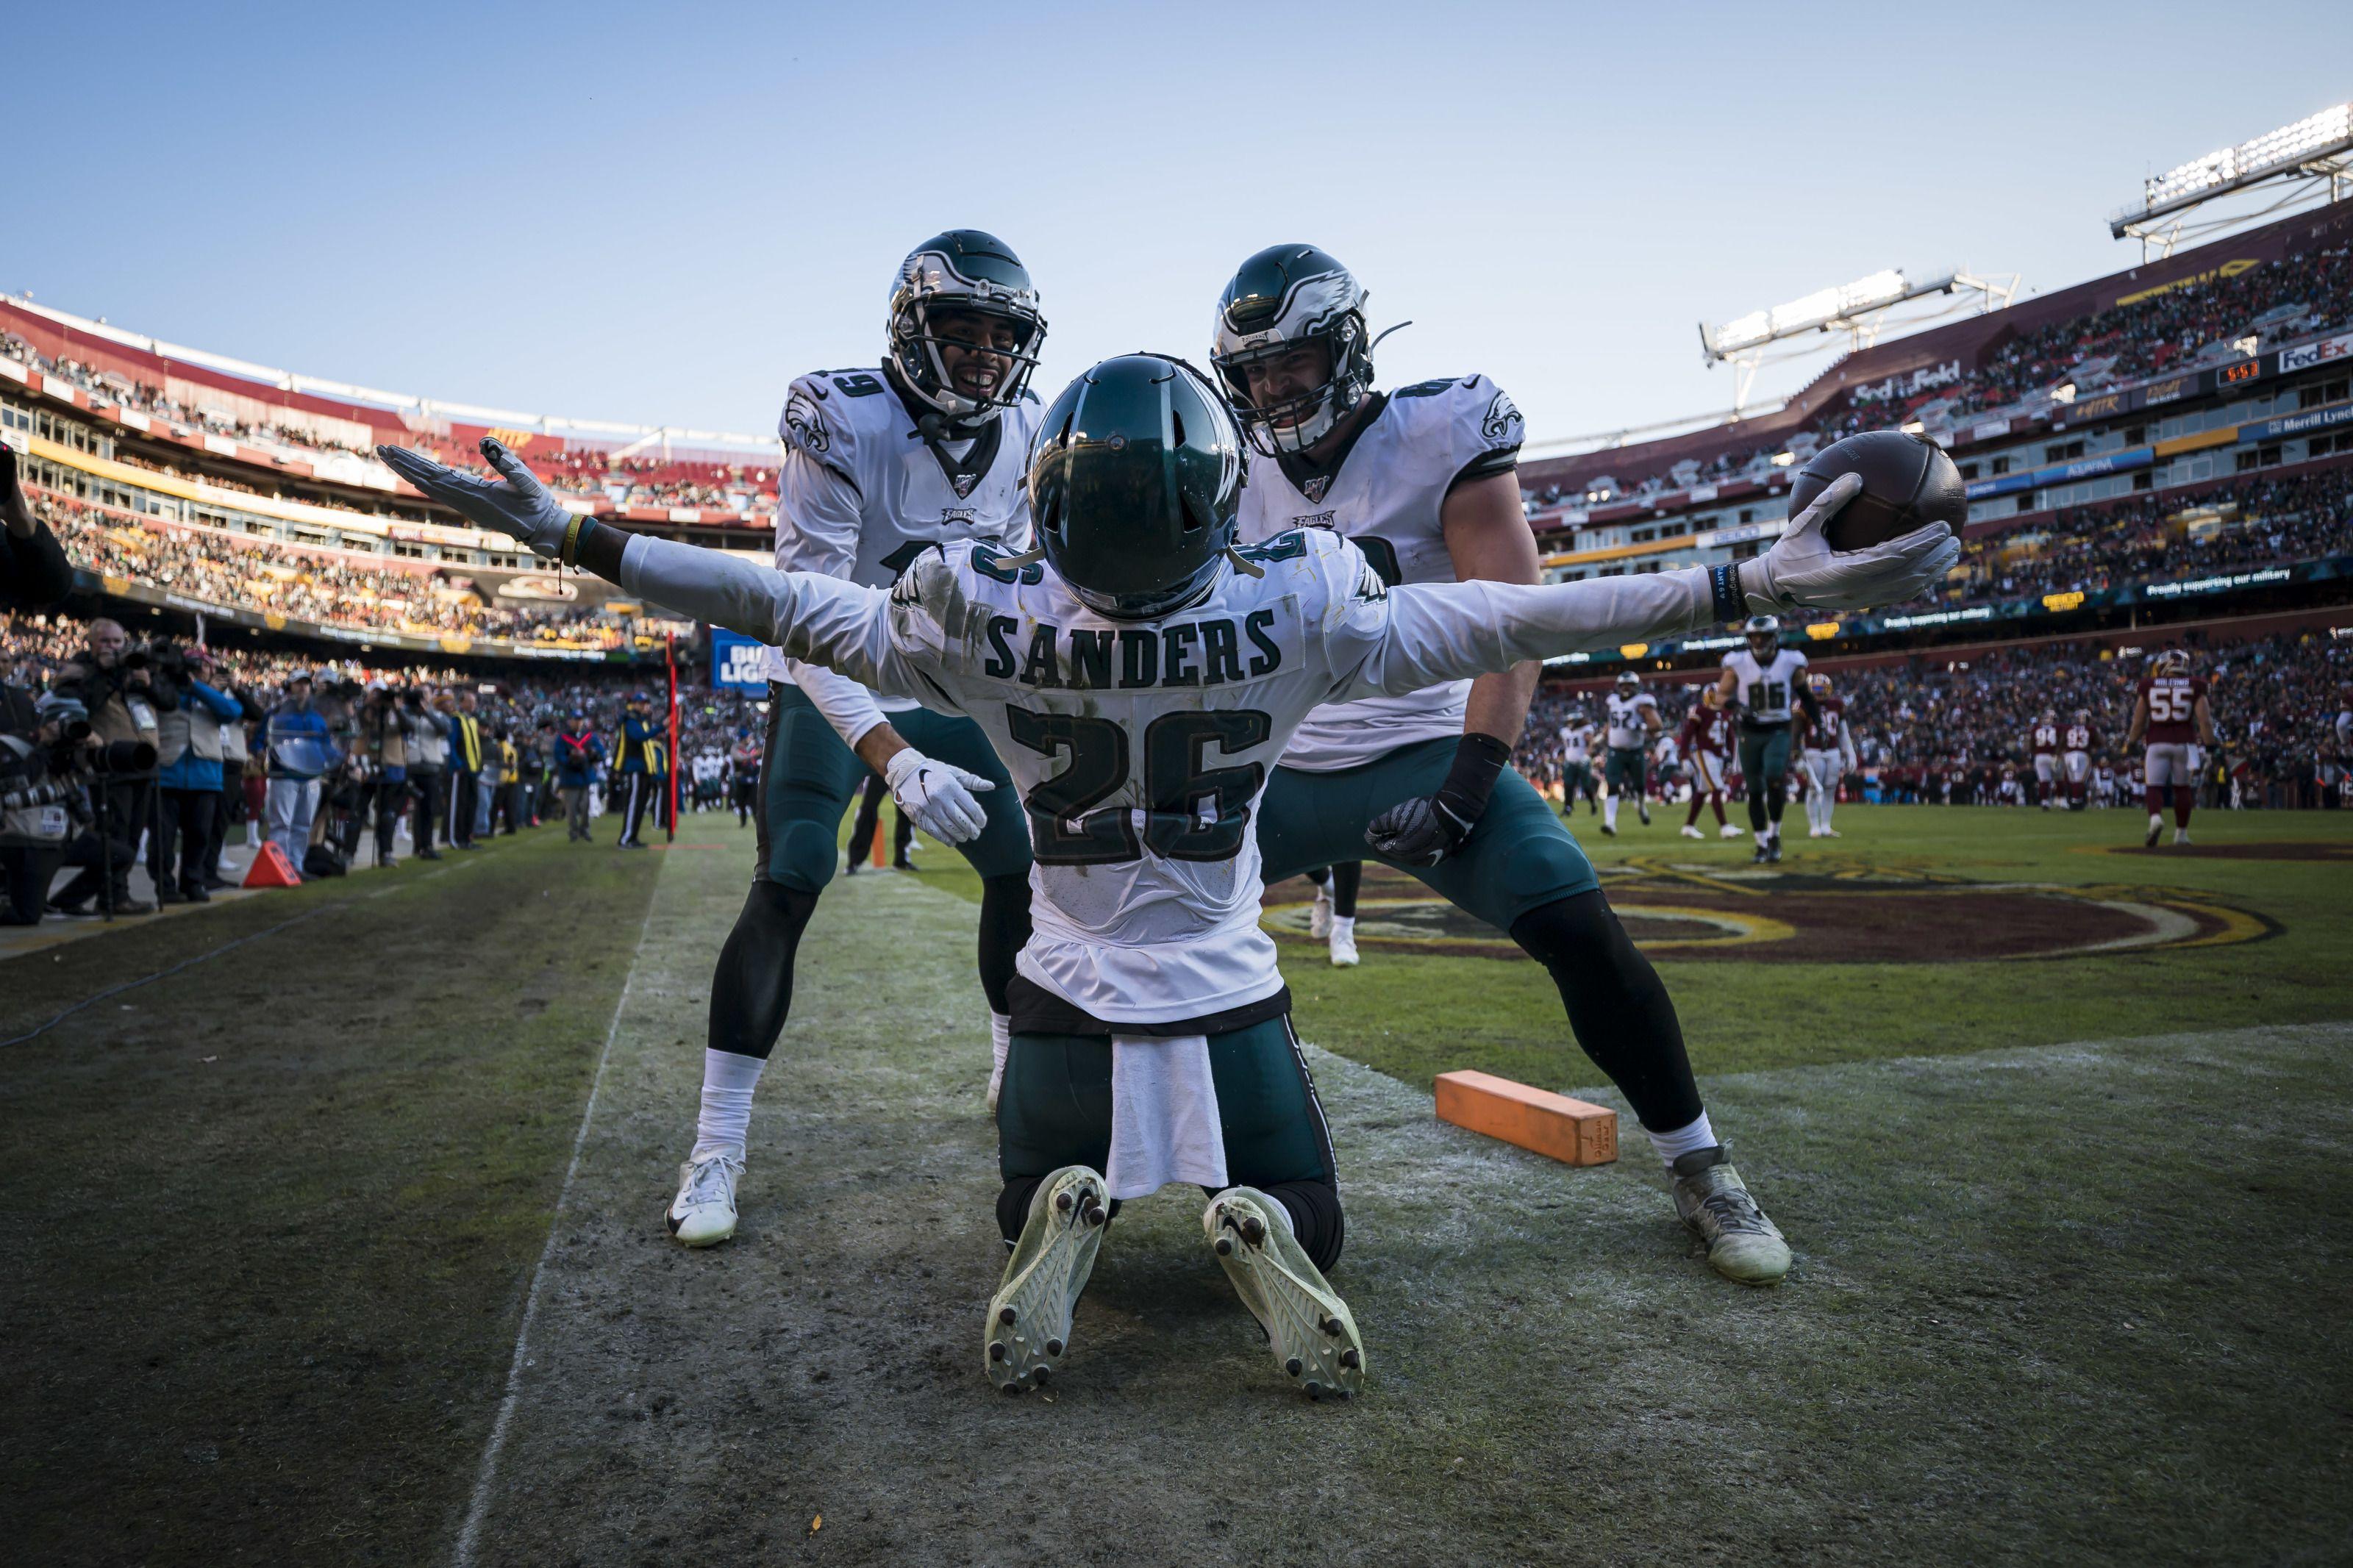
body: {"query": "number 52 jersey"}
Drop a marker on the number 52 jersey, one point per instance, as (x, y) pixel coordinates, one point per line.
(1141, 748)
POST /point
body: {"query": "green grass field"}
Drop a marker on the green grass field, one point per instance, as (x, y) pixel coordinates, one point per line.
(2067, 1289)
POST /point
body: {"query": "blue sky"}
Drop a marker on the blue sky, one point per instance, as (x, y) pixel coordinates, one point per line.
(662, 214)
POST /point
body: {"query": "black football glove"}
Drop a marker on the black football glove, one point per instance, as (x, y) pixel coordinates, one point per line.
(1426, 829)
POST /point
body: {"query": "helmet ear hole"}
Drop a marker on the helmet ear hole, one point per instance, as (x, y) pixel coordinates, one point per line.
(1191, 511)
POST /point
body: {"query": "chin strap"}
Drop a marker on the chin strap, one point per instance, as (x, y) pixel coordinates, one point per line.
(1243, 565)
(1028, 557)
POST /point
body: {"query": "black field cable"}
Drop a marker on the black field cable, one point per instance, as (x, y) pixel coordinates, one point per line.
(216, 952)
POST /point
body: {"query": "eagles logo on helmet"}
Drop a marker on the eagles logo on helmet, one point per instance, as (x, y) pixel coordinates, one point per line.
(1285, 297)
(961, 269)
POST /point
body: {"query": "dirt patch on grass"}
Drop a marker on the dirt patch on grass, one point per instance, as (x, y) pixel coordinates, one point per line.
(2271, 849)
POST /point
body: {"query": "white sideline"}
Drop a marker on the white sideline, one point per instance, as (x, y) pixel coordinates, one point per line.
(486, 1475)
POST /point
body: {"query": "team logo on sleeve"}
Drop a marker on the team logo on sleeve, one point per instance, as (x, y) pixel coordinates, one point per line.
(1502, 420)
(805, 424)
(1370, 589)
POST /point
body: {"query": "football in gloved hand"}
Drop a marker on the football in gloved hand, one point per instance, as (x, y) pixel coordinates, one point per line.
(1908, 482)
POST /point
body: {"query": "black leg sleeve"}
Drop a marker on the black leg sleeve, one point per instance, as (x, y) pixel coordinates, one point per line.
(1777, 798)
(1618, 1007)
(1316, 1220)
(1004, 928)
(752, 990)
(1346, 878)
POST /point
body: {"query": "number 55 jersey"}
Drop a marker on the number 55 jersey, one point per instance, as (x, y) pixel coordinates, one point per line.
(1141, 748)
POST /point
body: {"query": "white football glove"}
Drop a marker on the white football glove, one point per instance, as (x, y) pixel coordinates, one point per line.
(521, 506)
(937, 796)
(1801, 571)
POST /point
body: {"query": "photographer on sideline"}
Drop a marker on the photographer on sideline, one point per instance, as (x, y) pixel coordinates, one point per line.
(188, 748)
(34, 572)
(428, 757)
(578, 754)
(45, 749)
(300, 753)
(380, 740)
(236, 738)
(112, 681)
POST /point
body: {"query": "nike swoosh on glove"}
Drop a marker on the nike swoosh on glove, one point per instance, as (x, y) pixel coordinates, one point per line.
(1417, 832)
(937, 796)
(1801, 571)
(518, 505)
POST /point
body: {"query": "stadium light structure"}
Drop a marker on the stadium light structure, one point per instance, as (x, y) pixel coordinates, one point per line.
(2314, 153)
(1857, 308)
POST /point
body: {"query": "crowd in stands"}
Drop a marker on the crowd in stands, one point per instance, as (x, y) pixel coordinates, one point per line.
(2274, 699)
(579, 470)
(2256, 522)
(2273, 303)
(321, 586)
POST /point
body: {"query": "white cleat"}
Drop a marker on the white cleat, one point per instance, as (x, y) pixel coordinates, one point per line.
(1319, 916)
(1344, 950)
(1715, 1204)
(1030, 1316)
(2156, 827)
(1309, 1328)
(704, 1213)
(1729, 830)
(2181, 835)
(1832, 833)
(1813, 833)
(1690, 831)
(1644, 811)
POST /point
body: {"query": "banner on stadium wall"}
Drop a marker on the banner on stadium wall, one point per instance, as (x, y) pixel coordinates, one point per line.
(2065, 473)
(2306, 355)
(2303, 424)
(737, 663)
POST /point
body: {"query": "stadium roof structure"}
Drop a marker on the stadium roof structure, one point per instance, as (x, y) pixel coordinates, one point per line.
(1937, 355)
(2313, 154)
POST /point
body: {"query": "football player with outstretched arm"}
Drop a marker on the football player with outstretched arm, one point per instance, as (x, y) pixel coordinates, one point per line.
(1423, 479)
(1140, 675)
(2172, 712)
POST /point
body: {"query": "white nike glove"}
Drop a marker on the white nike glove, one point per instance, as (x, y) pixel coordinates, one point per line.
(937, 796)
(1801, 571)
(521, 506)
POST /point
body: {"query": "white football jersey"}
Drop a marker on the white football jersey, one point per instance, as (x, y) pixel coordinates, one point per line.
(1767, 689)
(1576, 741)
(1627, 729)
(1386, 495)
(1141, 750)
(860, 493)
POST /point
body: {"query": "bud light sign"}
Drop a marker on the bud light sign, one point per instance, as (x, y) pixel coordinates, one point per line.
(737, 662)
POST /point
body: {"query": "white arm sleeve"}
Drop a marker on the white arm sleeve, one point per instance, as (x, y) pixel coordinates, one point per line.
(819, 620)
(817, 520)
(1433, 632)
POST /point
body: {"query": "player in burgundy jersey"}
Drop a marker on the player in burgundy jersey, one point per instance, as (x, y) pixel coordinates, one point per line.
(2076, 761)
(2172, 712)
(2044, 742)
(1826, 756)
(1705, 741)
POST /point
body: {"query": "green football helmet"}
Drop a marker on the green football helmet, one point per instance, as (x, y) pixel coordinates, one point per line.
(1135, 480)
(961, 269)
(1285, 296)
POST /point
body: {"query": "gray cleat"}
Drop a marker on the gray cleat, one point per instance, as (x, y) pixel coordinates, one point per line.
(1714, 1202)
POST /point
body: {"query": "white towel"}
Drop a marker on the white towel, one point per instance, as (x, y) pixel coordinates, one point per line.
(1163, 1116)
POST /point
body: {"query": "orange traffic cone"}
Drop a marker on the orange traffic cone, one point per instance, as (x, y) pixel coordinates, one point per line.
(270, 869)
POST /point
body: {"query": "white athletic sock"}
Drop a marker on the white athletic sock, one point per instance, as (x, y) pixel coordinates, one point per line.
(1760, 837)
(1672, 1146)
(728, 1080)
(1343, 928)
(1610, 811)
